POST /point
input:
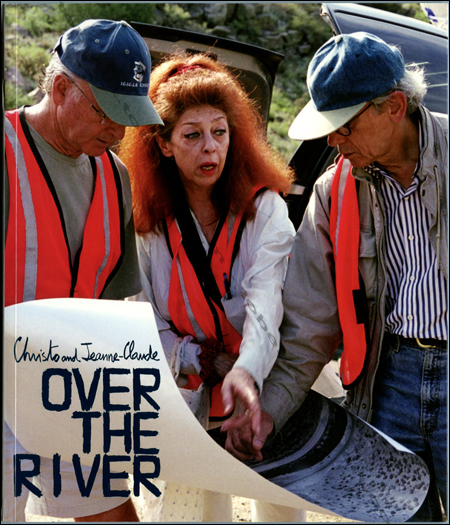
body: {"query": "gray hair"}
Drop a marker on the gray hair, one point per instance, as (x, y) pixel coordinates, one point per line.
(413, 85)
(54, 68)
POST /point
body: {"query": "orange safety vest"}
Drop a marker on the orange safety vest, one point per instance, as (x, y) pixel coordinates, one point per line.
(207, 313)
(38, 264)
(350, 291)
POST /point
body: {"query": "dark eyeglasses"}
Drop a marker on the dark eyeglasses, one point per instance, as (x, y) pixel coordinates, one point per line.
(345, 129)
(99, 113)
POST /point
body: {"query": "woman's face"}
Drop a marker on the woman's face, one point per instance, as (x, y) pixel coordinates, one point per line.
(199, 145)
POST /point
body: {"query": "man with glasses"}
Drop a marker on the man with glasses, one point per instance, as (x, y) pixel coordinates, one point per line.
(369, 263)
(69, 227)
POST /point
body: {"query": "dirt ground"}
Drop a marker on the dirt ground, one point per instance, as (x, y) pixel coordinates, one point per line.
(241, 513)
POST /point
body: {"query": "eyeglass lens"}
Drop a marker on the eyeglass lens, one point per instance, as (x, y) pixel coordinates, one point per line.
(345, 129)
(102, 115)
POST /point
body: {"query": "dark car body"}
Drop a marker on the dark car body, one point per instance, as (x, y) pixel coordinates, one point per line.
(420, 43)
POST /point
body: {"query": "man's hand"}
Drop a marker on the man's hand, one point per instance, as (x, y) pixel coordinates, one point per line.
(242, 442)
(223, 363)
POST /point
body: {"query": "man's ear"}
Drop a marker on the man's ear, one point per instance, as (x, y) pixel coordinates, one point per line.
(164, 146)
(59, 89)
(398, 105)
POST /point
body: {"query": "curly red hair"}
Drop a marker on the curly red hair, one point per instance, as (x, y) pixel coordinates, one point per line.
(177, 84)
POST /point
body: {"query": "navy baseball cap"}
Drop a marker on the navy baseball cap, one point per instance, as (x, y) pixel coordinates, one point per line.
(346, 72)
(113, 58)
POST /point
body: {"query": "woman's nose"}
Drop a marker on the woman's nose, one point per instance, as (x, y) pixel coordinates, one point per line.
(209, 143)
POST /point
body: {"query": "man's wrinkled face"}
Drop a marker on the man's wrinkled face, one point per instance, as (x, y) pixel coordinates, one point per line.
(81, 128)
(369, 140)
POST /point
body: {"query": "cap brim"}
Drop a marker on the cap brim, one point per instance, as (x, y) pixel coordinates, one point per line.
(126, 110)
(312, 124)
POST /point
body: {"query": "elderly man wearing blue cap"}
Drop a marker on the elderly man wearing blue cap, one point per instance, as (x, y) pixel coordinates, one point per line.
(69, 226)
(369, 263)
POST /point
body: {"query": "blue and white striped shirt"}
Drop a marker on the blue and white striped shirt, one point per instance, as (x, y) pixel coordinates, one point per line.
(417, 292)
(416, 299)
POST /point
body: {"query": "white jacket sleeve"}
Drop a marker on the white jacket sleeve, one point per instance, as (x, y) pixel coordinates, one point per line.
(263, 258)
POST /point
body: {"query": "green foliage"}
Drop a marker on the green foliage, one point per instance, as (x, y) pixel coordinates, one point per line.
(175, 16)
(304, 18)
(15, 97)
(75, 13)
(282, 112)
(420, 15)
(30, 59)
(243, 25)
(31, 21)
(58, 17)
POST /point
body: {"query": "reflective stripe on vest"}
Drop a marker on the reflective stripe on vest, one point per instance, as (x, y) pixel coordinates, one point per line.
(189, 307)
(37, 258)
(351, 298)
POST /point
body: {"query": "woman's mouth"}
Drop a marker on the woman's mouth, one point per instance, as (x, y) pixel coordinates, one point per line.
(209, 168)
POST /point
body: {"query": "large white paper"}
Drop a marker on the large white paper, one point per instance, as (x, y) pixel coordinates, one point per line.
(54, 352)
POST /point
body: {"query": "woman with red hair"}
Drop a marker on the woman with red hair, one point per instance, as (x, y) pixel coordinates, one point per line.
(213, 242)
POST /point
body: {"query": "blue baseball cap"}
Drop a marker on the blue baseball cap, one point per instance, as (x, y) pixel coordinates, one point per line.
(114, 59)
(346, 72)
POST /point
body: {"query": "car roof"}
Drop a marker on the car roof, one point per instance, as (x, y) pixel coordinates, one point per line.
(255, 66)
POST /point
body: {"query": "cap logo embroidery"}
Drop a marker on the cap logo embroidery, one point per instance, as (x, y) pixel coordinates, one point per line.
(139, 71)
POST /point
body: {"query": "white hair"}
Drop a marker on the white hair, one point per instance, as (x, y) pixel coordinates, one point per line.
(413, 85)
